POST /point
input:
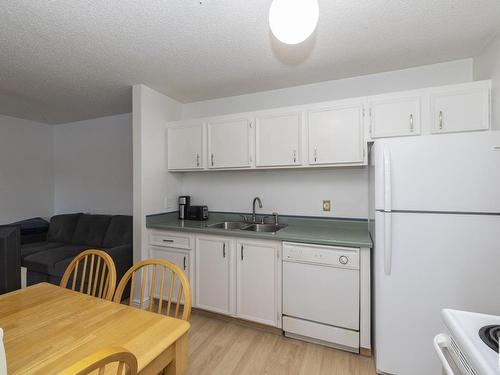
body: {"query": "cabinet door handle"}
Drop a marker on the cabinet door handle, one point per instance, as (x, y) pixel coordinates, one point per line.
(315, 154)
(212, 159)
(224, 250)
(241, 252)
(411, 122)
(294, 156)
(184, 263)
(197, 160)
(440, 120)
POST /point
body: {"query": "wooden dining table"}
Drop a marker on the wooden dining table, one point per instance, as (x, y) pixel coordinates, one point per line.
(48, 328)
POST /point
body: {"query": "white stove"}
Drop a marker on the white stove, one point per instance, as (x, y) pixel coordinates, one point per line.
(471, 344)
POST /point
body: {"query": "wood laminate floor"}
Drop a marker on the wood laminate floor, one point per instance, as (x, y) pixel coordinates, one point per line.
(221, 348)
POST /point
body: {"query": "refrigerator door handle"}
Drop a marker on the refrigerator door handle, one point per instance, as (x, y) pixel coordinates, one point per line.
(387, 212)
(387, 181)
(387, 243)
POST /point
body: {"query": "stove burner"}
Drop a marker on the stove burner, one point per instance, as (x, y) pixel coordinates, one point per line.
(490, 336)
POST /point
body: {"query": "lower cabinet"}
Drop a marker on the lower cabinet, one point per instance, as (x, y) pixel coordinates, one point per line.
(232, 276)
(213, 274)
(239, 277)
(257, 282)
(181, 258)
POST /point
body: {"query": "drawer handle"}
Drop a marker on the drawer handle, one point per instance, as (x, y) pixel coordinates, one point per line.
(168, 240)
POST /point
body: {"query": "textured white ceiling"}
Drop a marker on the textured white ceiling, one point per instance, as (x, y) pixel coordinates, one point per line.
(66, 60)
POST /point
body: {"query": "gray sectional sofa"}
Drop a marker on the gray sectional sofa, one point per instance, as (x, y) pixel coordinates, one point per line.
(70, 234)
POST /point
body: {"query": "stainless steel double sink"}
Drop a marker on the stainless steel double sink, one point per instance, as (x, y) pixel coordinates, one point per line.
(252, 227)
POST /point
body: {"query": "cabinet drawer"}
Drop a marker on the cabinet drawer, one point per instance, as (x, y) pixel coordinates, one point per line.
(171, 239)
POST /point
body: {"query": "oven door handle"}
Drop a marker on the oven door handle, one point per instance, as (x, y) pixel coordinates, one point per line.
(442, 343)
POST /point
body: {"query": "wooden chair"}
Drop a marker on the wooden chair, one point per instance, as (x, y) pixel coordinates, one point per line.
(124, 361)
(101, 281)
(159, 279)
(3, 360)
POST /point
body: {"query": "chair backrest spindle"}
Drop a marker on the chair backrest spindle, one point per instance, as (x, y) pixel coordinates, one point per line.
(178, 293)
(92, 274)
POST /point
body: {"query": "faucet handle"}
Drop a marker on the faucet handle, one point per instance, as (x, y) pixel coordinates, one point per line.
(276, 218)
(245, 218)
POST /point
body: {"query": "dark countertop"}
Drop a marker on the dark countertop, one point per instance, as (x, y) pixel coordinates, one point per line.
(321, 231)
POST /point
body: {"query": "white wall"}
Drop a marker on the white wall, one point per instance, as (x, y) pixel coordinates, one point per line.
(459, 71)
(155, 189)
(93, 166)
(292, 192)
(301, 192)
(26, 172)
(487, 66)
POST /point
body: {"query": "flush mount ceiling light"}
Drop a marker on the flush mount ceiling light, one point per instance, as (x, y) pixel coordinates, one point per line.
(293, 21)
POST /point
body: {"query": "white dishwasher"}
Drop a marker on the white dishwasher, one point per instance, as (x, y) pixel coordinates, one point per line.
(321, 294)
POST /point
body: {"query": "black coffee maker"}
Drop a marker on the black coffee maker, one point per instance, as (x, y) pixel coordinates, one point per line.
(184, 204)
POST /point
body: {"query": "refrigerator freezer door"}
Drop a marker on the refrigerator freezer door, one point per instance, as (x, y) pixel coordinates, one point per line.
(449, 173)
(438, 261)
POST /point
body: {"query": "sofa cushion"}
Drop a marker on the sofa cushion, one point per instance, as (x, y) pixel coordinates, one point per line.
(90, 230)
(44, 261)
(62, 227)
(119, 231)
(60, 267)
(32, 248)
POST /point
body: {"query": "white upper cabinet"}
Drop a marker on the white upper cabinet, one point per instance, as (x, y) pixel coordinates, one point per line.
(278, 139)
(229, 143)
(394, 116)
(326, 134)
(336, 135)
(185, 146)
(461, 109)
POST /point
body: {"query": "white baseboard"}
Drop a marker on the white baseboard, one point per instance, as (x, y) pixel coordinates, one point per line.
(24, 277)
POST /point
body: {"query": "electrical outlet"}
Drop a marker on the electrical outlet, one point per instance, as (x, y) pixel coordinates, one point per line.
(327, 205)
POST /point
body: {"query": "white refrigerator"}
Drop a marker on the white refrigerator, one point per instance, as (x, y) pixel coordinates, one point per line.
(437, 241)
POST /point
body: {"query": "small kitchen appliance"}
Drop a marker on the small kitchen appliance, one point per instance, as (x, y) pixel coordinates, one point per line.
(470, 344)
(184, 204)
(197, 213)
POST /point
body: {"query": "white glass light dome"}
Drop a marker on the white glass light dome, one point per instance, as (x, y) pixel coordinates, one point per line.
(293, 21)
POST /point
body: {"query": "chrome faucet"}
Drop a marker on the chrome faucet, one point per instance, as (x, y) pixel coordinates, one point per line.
(256, 199)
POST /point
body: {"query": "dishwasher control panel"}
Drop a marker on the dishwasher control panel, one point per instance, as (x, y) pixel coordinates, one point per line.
(334, 256)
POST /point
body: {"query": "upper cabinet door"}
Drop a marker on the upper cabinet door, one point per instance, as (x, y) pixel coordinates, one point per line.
(185, 146)
(393, 117)
(229, 143)
(461, 110)
(278, 139)
(336, 135)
